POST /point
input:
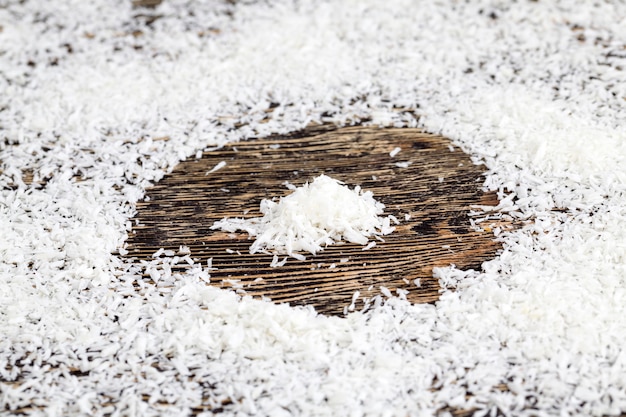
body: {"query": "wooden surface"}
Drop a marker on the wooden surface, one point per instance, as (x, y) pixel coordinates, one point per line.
(436, 190)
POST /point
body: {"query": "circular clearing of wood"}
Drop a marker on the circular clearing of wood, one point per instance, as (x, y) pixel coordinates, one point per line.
(435, 190)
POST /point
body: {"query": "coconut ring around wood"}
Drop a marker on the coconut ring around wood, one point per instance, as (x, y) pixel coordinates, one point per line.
(431, 196)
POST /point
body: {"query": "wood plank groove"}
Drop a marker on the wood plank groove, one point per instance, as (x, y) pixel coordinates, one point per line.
(183, 206)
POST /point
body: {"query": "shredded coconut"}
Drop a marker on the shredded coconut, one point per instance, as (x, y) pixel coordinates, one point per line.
(318, 214)
(99, 100)
(217, 167)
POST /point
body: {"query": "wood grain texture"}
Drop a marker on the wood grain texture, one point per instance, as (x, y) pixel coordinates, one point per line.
(436, 190)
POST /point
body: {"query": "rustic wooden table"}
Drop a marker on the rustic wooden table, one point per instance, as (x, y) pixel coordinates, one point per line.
(436, 190)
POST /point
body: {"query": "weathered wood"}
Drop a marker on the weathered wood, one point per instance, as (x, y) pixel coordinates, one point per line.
(146, 3)
(436, 190)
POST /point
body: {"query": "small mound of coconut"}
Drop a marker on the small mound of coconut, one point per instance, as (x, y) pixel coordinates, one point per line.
(314, 216)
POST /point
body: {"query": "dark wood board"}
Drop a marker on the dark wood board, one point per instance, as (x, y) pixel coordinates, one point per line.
(437, 190)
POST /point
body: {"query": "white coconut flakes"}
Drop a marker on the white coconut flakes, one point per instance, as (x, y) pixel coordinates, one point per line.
(89, 90)
(316, 215)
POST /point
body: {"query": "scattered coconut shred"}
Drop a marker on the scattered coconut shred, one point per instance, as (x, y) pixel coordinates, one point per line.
(312, 217)
(100, 99)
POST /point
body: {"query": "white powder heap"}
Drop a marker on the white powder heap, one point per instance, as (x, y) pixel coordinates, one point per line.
(312, 217)
(88, 91)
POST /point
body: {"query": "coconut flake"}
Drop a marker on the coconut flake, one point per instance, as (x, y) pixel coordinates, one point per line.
(217, 167)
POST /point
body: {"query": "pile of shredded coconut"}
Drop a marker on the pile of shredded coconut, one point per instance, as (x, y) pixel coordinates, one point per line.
(312, 217)
(99, 100)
